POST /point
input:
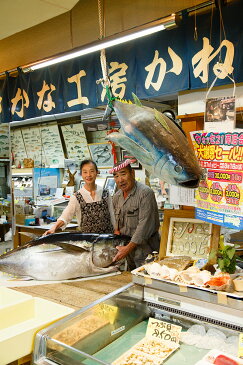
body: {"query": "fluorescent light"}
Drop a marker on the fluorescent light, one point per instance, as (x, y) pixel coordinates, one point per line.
(154, 27)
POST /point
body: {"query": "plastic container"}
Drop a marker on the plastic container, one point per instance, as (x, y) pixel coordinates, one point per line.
(19, 323)
(11, 297)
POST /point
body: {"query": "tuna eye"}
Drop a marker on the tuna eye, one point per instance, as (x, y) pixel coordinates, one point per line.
(178, 168)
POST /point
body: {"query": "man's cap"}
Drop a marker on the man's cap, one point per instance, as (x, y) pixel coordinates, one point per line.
(120, 166)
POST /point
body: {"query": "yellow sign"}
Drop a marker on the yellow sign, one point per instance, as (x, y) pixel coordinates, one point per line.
(107, 311)
(240, 350)
(164, 331)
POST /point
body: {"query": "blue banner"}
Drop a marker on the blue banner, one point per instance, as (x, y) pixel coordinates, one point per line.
(160, 64)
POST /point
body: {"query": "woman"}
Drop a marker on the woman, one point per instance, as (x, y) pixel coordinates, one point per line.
(91, 205)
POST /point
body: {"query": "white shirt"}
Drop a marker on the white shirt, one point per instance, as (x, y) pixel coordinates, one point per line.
(73, 208)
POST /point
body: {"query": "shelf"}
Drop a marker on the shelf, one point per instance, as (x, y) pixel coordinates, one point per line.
(22, 172)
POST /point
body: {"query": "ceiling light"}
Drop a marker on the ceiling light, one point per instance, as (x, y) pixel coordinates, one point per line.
(134, 33)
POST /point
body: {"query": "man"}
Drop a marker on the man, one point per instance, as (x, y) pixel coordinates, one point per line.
(136, 215)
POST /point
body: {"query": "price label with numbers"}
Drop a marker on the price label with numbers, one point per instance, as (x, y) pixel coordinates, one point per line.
(164, 331)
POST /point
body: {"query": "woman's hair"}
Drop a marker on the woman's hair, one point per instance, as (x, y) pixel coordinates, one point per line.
(85, 162)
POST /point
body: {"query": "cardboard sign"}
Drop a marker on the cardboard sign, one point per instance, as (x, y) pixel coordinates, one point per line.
(107, 311)
(163, 331)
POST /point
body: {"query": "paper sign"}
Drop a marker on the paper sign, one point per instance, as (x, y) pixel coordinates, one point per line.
(222, 298)
(240, 349)
(107, 311)
(183, 288)
(163, 331)
(147, 280)
(59, 193)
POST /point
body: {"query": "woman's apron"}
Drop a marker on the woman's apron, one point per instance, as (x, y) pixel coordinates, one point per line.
(95, 217)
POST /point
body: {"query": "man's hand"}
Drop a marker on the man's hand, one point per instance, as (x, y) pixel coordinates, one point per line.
(123, 251)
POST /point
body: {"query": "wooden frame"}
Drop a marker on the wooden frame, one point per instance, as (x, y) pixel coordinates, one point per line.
(188, 222)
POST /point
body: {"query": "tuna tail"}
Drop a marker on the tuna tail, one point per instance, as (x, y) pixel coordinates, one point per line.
(128, 144)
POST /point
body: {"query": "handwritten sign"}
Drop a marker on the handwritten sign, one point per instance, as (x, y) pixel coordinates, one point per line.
(167, 332)
(189, 237)
(107, 311)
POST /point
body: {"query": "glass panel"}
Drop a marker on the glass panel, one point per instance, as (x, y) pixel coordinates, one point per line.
(103, 333)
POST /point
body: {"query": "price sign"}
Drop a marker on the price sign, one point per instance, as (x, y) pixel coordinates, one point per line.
(107, 311)
(189, 237)
(240, 350)
(163, 331)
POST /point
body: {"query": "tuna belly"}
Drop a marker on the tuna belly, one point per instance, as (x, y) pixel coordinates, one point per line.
(58, 265)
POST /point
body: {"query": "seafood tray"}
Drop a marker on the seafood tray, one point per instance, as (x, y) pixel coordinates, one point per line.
(234, 299)
(20, 318)
(147, 351)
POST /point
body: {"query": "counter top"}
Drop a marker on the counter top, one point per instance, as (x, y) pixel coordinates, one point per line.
(46, 226)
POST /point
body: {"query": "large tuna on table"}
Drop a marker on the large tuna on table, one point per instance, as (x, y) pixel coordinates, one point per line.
(157, 143)
(64, 256)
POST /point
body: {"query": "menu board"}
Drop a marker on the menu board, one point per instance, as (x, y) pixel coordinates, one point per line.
(75, 141)
(17, 146)
(4, 140)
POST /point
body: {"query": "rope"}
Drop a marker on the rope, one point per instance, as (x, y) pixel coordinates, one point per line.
(105, 82)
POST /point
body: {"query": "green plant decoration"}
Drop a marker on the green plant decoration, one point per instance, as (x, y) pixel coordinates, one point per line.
(226, 257)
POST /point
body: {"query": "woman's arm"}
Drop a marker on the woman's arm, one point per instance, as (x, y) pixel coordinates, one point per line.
(66, 216)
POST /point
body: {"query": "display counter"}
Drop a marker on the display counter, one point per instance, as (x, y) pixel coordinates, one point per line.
(109, 330)
(21, 239)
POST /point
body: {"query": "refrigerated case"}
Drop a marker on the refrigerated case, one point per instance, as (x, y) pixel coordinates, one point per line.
(103, 331)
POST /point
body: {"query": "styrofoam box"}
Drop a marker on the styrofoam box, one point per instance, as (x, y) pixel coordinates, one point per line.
(9, 297)
(19, 323)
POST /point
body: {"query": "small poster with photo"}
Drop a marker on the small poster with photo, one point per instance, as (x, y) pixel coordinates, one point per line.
(101, 154)
(220, 112)
(110, 185)
(135, 164)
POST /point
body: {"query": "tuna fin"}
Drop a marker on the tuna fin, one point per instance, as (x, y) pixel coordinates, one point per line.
(136, 100)
(160, 118)
(128, 144)
(67, 246)
(29, 234)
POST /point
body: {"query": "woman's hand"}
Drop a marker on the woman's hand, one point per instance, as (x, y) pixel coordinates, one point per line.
(50, 231)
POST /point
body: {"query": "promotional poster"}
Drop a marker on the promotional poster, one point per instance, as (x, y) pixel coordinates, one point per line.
(219, 196)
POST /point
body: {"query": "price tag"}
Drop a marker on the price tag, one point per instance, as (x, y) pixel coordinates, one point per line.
(107, 311)
(183, 288)
(240, 349)
(222, 298)
(147, 280)
(163, 331)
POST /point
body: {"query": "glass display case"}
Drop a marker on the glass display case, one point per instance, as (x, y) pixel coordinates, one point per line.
(106, 329)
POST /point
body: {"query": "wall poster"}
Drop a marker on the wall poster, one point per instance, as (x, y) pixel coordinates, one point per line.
(75, 141)
(220, 196)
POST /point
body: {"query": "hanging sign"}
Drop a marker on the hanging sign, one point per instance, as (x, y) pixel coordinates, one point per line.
(219, 198)
(220, 114)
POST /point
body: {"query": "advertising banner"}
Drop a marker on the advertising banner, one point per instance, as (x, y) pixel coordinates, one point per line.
(220, 196)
